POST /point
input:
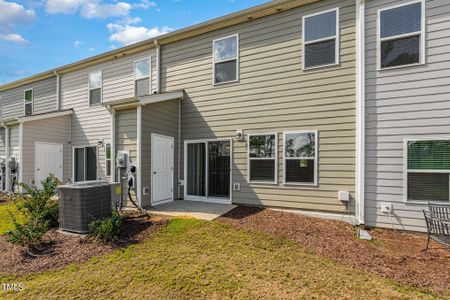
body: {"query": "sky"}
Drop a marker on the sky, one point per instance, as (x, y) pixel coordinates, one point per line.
(38, 35)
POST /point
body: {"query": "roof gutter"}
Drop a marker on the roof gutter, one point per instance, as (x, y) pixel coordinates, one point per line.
(360, 111)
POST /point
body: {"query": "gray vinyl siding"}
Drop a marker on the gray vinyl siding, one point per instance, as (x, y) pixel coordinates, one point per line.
(274, 94)
(14, 142)
(54, 130)
(2, 142)
(44, 99)
(159, 118)
(401, 103)
(126, 134)
(91, 124)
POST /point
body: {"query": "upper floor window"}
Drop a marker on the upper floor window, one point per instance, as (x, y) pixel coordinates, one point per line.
(28, 102)
(226, 59)
(321, 39)
(428, 170)
(142, 72)
(300, 157)
(95, 87)
(262, 155)
(401, 35)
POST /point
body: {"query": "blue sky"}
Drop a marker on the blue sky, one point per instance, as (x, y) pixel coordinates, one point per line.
(37, 35)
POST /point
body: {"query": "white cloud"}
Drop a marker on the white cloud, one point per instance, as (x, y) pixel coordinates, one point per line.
(11, 14)
(145, 4)
(89, 9)
(77, 43)
(128, 34)
(14, 38)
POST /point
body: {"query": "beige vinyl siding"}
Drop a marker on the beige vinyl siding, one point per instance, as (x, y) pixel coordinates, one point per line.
(54, 130)
(91, 124)
(126, 134)
(274, 94)
(44, 99)
(159, 118)
(14, 142)
(405, 102)
(2, 142)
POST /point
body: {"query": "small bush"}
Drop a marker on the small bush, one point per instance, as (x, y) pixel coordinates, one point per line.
(29, 234)
(107, 229)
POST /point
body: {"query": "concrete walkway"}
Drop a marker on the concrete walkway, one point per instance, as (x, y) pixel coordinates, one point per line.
(192, 209)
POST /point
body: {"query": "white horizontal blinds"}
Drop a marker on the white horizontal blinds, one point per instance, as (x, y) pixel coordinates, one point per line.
(300, 157)
(428, 168)
(401, 35)
(142, 71)
(320, 39)
(95, 87)
(262, 158)
(28, 102)
(226, 59)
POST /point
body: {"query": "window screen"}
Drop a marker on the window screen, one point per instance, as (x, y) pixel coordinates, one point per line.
(320, 39)
(28, 102)
(400, 35)
(95, 87)
(226, 59)
(428, 168)
(262, 151)
(142, 71)
(300, 157)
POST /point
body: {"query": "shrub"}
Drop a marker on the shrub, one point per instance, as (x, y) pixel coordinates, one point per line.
(107, 229)
(39, 211)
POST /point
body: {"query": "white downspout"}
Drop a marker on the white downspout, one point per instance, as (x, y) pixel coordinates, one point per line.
(58, 91)
(360, 111)
(158, 67)
(139, 155)
(7, 155)
(113, 143)
(21, 160)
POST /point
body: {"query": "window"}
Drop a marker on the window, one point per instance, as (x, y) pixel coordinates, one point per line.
(321, 39)
(95, 87)
(401, 35)
(85, 164)
(28, 102)
(427, 170)
(300, 157)
(226, 60)
(142, 71)
(262, 156)
(108, 159)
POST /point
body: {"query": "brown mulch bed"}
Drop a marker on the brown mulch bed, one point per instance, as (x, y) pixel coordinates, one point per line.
(61, 250)
(392, 254)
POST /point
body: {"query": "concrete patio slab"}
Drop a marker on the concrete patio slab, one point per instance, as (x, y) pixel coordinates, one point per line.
(192, 209)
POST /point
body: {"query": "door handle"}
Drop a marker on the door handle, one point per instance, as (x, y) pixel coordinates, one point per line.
(154, 172)
(38, 169)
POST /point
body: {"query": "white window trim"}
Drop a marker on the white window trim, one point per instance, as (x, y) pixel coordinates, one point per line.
(275, 158)
(316, 158)
(108, 159)
(89, 88)
(73, 162)
(149, 75)
(406, 171)
(335, 37)
(237, 59)
(25, 102)
(422, 57)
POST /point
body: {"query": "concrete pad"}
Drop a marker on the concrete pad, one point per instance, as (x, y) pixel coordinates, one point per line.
(193, 209)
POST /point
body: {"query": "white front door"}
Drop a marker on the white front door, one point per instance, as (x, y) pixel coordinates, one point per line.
(162, 169)
(48, 160)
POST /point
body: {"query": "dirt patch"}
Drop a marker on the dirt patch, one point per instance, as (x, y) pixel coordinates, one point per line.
(62, 250)
(392, 254)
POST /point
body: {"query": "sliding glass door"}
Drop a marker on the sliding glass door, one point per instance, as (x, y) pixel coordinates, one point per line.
(208, 170)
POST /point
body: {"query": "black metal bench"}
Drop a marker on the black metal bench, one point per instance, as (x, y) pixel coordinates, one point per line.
(438, 224)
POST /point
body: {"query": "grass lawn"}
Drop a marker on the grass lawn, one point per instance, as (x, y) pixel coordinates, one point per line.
(5, 220)
(198, 259)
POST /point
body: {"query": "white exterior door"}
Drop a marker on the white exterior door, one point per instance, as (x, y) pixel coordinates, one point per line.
(49, 160)
(162, 169)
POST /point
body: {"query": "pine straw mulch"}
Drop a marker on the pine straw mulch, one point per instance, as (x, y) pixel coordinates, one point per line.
(61, 250)
(396, 255)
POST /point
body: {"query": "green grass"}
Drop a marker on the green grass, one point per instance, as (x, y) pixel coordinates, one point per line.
(197, 259)
(5, 219)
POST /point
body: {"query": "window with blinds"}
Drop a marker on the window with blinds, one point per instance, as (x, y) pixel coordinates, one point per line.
(300, 158)
(320, 39)
(262, 155)
(428, 170)
(226, 59)
(142, 75)
(401, 35)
